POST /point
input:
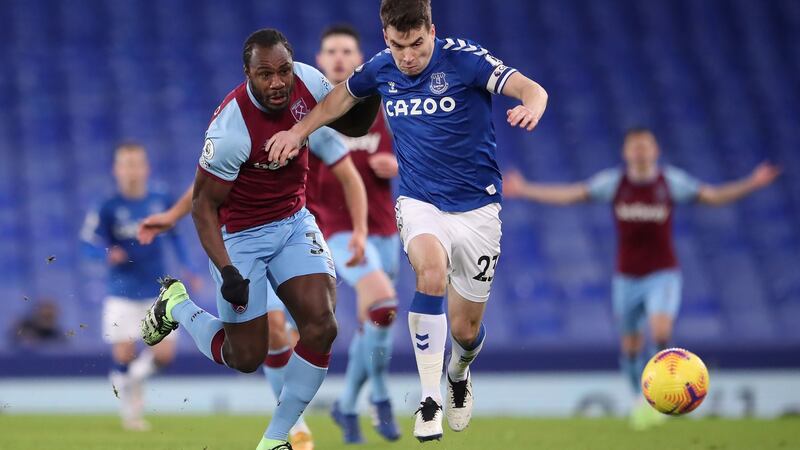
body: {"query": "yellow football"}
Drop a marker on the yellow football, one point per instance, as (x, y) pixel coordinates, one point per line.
(675, 381)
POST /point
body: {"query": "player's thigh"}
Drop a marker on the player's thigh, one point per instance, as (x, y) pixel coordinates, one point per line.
(628, 304)
(248, 252)
(121, 320)
(304, 276)
(476, 252)
(424, 234)
(465, 317)
(303, 252)
(338, 244)
(663, 293)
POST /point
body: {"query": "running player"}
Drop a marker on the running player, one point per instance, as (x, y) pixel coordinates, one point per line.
(337, 162)
(437, 99)
(371, 345)
(110, 233)
(249, 214)
(647, 285)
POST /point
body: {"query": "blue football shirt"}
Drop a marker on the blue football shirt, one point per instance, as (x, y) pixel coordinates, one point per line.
(442, 122)
(115, 223)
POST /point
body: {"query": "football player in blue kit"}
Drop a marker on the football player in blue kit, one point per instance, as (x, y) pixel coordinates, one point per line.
(437, 99)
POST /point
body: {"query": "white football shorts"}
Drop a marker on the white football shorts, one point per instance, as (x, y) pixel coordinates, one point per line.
(471, 240)
(122, 319)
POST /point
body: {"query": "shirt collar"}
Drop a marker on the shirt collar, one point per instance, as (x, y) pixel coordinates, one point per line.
(253, 98)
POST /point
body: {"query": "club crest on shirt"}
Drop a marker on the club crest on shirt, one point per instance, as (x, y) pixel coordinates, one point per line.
(299, 109)
(439, 83)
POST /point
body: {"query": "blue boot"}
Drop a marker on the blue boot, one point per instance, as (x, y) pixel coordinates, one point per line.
(348, 423)
(383, 420)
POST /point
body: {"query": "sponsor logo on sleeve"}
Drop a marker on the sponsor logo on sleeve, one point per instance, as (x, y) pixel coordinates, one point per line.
(207, 155)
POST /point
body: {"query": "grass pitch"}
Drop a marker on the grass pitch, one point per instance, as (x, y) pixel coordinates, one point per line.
(28, 432)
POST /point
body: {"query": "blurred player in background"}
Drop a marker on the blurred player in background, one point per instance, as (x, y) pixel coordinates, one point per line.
(371, 346)
(110, 233)
(437, 99)
(249, 214)
(647, 284)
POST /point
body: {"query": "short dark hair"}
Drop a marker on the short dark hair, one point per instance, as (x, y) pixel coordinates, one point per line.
(406, 15)
(128, 146)
(267, 38)
(633, 131)
(341, 29)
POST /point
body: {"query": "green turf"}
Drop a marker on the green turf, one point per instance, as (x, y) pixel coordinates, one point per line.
(21, 432)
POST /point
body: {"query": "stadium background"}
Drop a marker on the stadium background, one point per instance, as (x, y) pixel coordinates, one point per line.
(718, 81)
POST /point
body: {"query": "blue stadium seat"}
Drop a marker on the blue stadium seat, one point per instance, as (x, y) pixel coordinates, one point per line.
(718, 82)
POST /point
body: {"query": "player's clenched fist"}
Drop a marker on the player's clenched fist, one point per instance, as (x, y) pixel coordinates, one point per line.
(235, 288)
(283, 146)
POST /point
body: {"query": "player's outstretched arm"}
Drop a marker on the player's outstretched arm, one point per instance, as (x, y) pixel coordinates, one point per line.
(356, 197)
(155, 224)
(762, 176)
(285, 145)
(533, 98)
(515, 186)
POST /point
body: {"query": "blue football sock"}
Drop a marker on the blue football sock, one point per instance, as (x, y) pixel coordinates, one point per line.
(304, 375)
(632, 367)
(119, 367)
(205, 329)
(377, 343)
(356, 374)
(275, 369)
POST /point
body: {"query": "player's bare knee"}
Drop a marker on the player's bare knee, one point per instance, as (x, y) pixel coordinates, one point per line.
(318, 334)
(465, 333)
(124, 353)
(247, 361)
(632, 345)
(431, 279)
(162, 360)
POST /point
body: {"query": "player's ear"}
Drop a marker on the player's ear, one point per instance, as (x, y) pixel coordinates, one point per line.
(433, 31)
(386, 37)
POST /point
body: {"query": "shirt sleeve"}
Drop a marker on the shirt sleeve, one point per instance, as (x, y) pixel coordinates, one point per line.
(363, 81)
(683, 188)
(96, 233)
(327, 145)
(603, 186)
(315, 81)
(478, 67)
(227, 144)
(96, 228)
